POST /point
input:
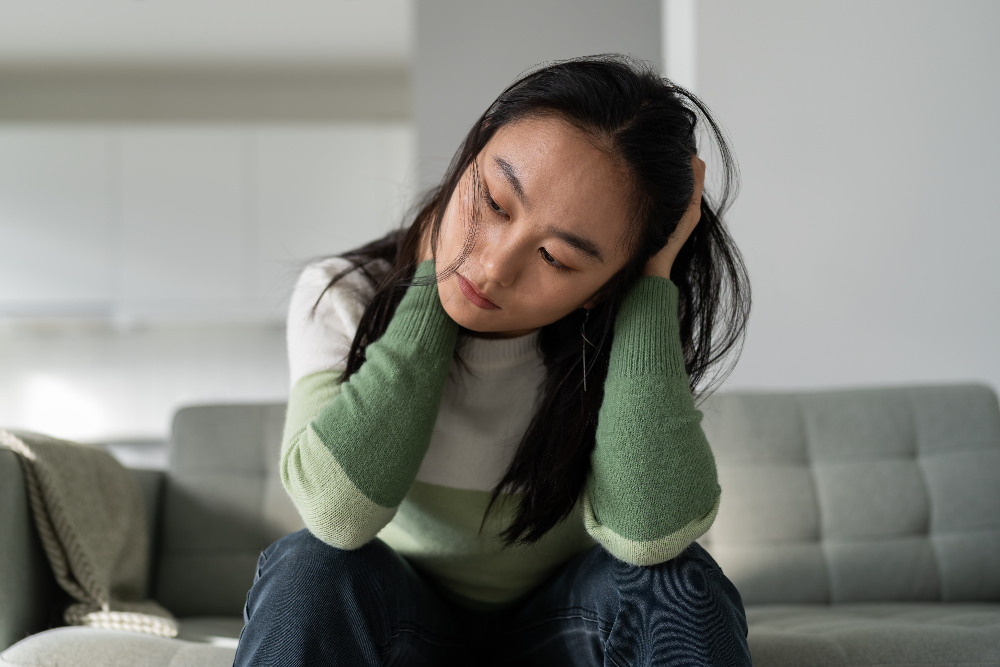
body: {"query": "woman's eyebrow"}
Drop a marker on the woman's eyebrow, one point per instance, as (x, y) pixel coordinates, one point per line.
(586, 246)
(510, 174)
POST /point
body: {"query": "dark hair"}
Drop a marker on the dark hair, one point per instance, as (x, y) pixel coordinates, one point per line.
(649, 124)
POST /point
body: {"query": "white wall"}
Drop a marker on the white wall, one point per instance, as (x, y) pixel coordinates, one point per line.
(148, 266)
(166, 169)
(198, 93)
(867, 137)
(187, 222)
(87, 382)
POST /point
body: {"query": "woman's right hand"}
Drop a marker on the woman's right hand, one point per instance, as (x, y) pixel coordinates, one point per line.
(661, 263)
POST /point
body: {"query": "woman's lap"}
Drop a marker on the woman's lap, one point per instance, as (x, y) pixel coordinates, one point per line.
(312, 604)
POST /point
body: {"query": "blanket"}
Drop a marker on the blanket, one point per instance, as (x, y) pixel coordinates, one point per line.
(92, 525)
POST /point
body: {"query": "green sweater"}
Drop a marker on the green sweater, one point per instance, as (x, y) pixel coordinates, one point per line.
(352, 450)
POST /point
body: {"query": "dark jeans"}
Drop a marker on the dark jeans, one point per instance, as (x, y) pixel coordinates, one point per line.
(313, 604)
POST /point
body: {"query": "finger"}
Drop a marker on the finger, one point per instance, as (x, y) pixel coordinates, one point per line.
(692, 216)
(698, 168)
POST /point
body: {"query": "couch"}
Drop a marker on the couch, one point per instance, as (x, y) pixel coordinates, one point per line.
(862, 527)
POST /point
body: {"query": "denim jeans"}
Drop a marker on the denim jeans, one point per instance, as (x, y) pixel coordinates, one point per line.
(313, 604)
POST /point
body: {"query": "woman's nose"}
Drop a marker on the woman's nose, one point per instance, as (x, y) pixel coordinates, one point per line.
(499, 259)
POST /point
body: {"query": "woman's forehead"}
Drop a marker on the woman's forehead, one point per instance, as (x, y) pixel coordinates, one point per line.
(538, 144)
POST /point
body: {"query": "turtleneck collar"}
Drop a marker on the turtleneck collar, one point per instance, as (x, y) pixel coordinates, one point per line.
(498, 353)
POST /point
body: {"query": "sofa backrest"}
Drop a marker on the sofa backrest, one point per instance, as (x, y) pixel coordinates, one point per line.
(840, 496)
(858, 495)
(223, 503)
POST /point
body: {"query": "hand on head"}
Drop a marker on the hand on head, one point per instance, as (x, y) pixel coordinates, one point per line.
(661, 263)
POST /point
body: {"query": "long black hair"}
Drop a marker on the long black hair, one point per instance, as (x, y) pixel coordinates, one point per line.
(650, 125)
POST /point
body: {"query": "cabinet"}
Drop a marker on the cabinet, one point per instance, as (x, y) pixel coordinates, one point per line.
(56, 224)
(188, 222)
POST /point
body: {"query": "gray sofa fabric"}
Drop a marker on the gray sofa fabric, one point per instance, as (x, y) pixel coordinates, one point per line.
(223, 504)
(88, 647)
(850, 635)
(218, 507)
(202, 642)
(858, 496)
(862, 527)
(27, 585)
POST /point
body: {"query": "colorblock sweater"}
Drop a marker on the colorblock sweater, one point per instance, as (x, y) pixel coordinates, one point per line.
(410, 447)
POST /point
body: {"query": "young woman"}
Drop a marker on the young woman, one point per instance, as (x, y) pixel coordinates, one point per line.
(491, 435)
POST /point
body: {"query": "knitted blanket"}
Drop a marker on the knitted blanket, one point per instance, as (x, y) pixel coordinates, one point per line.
(92, 525)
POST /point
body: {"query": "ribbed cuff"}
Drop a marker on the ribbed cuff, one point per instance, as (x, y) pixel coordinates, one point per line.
(647, 331)
(420, 316)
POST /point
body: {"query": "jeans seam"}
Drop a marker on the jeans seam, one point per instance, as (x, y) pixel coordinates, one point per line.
(418, 631)
(564, 614)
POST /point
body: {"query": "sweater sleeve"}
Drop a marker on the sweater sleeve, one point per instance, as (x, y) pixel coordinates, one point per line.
(351, 450)
(653, 486)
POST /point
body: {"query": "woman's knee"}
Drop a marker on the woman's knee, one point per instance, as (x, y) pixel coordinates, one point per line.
(691, 580)
(302, 569)
(688, 591)
(310, 601)
(303, 549)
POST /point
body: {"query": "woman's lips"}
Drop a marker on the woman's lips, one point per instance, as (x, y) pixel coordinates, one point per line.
(473, 295)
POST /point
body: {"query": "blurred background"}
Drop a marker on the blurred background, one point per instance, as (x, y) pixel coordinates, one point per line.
(167, 169)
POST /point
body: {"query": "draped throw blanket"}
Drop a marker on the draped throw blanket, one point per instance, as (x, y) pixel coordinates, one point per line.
(92, 525)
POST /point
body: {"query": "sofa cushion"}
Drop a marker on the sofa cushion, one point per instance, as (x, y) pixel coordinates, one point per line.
(88, 647)
(883, 634)
(214, 630)
(223, 504)
(858, 495)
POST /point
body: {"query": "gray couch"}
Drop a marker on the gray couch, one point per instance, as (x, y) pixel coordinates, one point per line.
(861, 527)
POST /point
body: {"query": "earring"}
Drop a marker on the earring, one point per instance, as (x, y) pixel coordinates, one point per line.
(583, 335)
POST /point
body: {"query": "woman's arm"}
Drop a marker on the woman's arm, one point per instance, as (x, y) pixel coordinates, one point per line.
(653, 487)
(351, 450)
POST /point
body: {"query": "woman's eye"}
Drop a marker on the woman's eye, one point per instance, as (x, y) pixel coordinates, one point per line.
(494, 206)
(488, 198)
(552, 261)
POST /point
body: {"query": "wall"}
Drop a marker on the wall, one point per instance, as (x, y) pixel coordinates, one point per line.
(148, 265)
(165, 171)
(205, 222)
(203, 94)
(468, 52)
(87, 381)
(866, 135)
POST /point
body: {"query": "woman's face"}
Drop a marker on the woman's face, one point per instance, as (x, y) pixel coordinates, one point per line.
(553, 211)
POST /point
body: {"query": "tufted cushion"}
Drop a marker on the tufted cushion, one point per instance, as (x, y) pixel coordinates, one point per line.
(223, 504)
(858, 496)
(875, 635)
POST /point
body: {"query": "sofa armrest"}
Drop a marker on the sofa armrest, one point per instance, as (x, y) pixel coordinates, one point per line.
(30, 598)
(27, 587)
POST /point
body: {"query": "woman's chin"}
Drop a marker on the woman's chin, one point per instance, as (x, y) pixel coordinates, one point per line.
(478, 321)
(470, 317)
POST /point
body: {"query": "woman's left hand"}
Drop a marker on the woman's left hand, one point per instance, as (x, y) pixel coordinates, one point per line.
(661, 263)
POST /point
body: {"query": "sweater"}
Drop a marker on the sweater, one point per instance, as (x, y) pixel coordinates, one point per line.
(409, 448)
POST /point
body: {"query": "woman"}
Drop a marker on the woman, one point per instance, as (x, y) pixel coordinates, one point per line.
(491, 435)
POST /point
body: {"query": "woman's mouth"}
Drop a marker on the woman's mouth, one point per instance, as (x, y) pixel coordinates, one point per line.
(473, 295)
